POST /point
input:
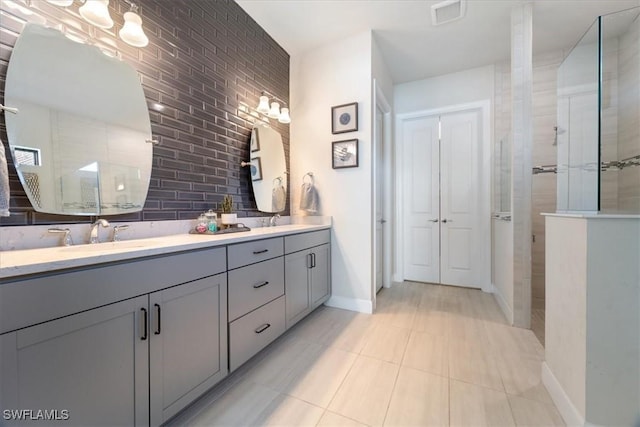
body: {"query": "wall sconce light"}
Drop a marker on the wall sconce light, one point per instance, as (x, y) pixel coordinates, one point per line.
(132, 32)
(96, 12)
(272, 109)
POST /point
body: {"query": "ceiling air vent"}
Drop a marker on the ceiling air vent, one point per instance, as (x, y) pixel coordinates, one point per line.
(447, 11)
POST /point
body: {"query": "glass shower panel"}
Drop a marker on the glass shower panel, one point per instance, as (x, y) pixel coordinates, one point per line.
(620, 112)
(578, 156)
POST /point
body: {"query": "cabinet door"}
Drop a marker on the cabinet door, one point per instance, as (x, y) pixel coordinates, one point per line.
(92, 364)
(296, 286)
(320, 275)
(188, 342)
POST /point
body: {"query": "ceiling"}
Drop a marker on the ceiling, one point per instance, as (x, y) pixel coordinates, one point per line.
(412, 47)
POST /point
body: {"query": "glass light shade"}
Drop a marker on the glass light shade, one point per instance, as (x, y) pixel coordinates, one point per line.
(274, 112)
(97, 13)
(63, 3)
(263, 106)
(132, 33)
(284, 116)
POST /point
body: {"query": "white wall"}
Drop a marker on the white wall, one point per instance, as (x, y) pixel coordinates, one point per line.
(462, 87)
(336, 74)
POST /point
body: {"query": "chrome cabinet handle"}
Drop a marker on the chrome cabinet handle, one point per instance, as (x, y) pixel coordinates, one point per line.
(260, 252)
(436, 220)
(259, 285)
(145, 324)
(263, 328)
(158, 313)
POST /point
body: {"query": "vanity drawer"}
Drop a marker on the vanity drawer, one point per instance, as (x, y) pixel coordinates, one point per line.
(251, 333)
(299, 242)
(242, 254)
(255, 285)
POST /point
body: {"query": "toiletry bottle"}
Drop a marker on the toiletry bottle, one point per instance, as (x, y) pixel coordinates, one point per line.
(212, 221)
(202, 224)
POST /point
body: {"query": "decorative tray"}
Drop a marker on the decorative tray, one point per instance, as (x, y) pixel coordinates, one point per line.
(238, 229)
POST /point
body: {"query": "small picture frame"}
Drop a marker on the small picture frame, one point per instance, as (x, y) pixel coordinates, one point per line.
(344, 154)
(256, 169)
(255, 141)
(344, 118)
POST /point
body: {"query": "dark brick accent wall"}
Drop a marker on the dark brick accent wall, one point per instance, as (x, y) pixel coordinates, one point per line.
(205, 60)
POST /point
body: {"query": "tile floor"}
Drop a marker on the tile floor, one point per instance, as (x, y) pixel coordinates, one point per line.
(430, 356)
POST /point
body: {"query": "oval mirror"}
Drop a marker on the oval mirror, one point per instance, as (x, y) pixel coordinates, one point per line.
(79, 140)
(268, 169)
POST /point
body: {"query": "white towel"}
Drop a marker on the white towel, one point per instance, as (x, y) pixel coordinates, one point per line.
(4, 183)
(309, 197)
(278, 198)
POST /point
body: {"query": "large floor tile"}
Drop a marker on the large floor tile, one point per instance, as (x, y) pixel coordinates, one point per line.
(428, 353)
(287, 411)
(365, 393)
(386, 343)
(319, 381)
(354, 333)
(472, 361)
(331, 419)
(240, 406)
(419, 399)
(477, 406)
(522, 377)
(535, 414)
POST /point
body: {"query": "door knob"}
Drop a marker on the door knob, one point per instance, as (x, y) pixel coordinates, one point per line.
(436, 220)
(382, 221)
(447, 220)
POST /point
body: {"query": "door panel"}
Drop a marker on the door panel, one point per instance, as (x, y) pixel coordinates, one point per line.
(459, 199)
(421, 205)
(442, 198)
(93, 364)
(188, 343)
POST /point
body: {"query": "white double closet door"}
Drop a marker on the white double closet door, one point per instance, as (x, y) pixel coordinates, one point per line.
(442, 198)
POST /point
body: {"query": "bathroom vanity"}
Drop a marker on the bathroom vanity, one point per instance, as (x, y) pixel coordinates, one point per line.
(129, 333)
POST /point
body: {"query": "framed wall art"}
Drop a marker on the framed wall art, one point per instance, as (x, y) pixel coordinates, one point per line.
(256, 169)
(344, 118)
(344, 154)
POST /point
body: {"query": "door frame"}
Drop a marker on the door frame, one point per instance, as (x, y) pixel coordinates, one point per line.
(380, 101)
(484, 185)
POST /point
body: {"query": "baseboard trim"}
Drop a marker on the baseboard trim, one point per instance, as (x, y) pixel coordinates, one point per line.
(502, 302)
(569, 413)
(352, 304)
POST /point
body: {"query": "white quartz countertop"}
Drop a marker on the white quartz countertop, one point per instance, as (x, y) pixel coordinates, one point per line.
(31, 261)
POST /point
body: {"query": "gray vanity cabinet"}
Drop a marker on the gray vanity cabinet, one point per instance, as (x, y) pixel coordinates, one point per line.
(188, 343)
(307, 273)
(92, 364)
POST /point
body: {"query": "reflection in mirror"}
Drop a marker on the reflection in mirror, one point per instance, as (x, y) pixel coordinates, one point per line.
(268, 169)
(79, 141)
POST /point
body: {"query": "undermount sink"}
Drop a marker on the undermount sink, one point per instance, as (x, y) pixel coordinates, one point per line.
(110, 246)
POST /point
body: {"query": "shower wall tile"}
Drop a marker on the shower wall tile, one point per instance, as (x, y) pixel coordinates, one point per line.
(204, 61)
(629, 118)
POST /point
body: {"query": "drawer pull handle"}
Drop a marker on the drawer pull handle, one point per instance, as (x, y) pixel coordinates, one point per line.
(263, 328)
(145, 325)
(158, 313)
(260, 252)
(259, 285)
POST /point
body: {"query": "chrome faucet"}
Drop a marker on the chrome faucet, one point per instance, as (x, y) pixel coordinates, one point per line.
(272, 221)
(94, 229)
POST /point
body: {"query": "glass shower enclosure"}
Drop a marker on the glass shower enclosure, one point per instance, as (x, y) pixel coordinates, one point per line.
(598, 133)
